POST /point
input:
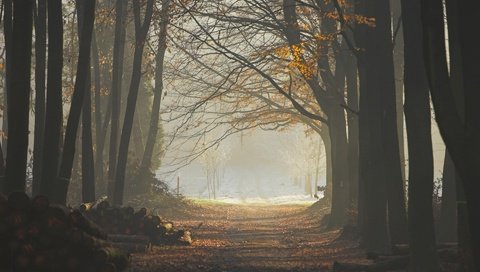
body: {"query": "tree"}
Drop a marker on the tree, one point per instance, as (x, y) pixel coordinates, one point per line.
(117, 75)
(158, 90)
(54, 107)
(141, 31)
(460, 137)
(423, 254)
(8, 36)
(447, 225)
(88, 168)
(78, 98)
(19, 96)
(40, 65)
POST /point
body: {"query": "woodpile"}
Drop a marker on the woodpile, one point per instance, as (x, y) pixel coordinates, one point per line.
(37, 236)
(124, 224)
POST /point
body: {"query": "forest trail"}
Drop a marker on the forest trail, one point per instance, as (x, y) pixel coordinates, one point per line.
(251, 238)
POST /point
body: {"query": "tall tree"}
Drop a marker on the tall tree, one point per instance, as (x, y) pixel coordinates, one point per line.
(461, 138)
(78, 97)
(330, 100)
(54, 108)
(141, 31)
(115, 92)
(40, 65)
(99, 140)
(397, 213)
(88, 169)
(158, 90)
(7, 6)
(423, 254)
(19, 96)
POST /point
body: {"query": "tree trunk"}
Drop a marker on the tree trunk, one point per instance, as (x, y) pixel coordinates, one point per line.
(353, 133)
(8, 38)
(398, 63)
(456, 79)
(461, 138)
(99, 174)
(397, 214)
(373, 186)
(88, 170)
(78, 98)
(150, 145)
(115, 92)
(2, 168)
(339, 149)
(40, 64)
(19, 96)
(423, 254)
(360, 34)
(141, 31)
(54, 108)
(447, 225)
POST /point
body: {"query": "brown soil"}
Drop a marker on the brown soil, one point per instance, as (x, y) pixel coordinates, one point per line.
(252, 238)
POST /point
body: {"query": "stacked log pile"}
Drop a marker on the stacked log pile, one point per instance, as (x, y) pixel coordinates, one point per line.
(124, 224)
(37, 236)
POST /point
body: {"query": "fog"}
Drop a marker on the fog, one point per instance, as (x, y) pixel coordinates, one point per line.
(260, 166)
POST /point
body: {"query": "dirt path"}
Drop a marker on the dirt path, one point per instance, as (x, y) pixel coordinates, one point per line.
(250, 238)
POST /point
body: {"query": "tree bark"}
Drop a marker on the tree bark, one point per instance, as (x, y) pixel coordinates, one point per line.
(8, 38)
(115, 92)
(461, 138)
(99, 142)
(397, 214)
(40, 65)
(373, 186)
(447, 225)
(423, 254)
(141, 31)
(353, 133)
(88, 168)
(150, 145)
(78, 98)
(19, 96)
(398, 49)
(54, 108)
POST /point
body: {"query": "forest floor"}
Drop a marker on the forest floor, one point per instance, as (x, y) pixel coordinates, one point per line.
(229, 237)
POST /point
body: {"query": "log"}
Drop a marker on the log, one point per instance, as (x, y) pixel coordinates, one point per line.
(138, 239)
(131, 247)
(79, 237)
(79, 221)
(40, 204)
(37, 236)
(111, 255)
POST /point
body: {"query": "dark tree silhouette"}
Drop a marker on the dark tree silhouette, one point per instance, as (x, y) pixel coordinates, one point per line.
(19, 96)
(54, 108)
(157, 92)
(141, 31)
(447, 225)
(423, 254)
(40, 65)
(117, 75)
(460, 137)
(78, 97)
(88, 168)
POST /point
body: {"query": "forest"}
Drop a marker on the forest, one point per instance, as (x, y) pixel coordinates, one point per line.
(104, 103)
